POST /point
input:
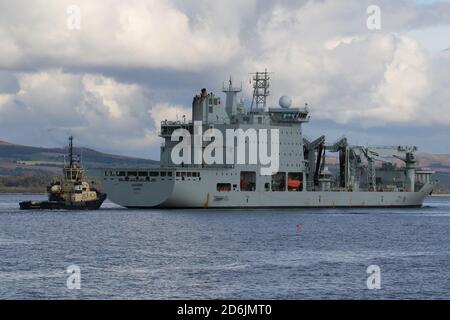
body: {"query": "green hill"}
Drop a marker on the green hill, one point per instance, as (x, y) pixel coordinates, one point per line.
(29, 169)
(14, 156)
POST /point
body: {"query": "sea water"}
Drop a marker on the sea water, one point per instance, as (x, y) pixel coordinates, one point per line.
(224, 254)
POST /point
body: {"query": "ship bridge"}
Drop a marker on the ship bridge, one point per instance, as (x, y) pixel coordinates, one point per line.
(283, 115)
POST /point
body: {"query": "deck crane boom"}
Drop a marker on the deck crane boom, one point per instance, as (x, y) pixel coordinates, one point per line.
(404, 153)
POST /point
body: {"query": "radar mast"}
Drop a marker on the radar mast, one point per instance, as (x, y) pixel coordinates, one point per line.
(261, 85)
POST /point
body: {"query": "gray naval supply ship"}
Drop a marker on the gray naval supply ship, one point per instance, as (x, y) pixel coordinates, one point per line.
(312, 173)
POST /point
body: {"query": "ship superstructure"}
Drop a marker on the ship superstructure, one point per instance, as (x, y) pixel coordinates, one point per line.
(310, 173)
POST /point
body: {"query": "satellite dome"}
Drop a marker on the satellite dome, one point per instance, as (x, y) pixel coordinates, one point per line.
(285, 102)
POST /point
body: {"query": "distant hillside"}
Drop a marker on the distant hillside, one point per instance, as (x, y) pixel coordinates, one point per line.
(16, 159)
(3, 143)
(26, 169)
(438, 162)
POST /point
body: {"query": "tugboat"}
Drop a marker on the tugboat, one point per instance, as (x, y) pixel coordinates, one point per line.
(70, 193)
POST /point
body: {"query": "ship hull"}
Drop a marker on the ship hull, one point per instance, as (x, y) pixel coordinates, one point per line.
(202, 194)
(63, 205)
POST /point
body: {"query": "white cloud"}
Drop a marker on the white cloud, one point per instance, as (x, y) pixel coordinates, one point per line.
(348, 74)
(135, 33)
(163, 111)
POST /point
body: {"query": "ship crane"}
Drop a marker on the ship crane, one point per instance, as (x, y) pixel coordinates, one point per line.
(341, 146)
(405, 154)
(371, 157)
(314, 162)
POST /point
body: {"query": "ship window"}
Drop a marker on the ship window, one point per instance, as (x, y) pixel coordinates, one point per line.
(106, 173)
(132, 173)
(169, 174)
(189, 174)
(178, 174)
(154, 173)
(248, 181)
(183, 174)
(163, 173)
(210, 109)
(143, 173)
(194, 174)
(216, 101)
(259, 120)
(267, 186)
(120, 173)
(295, 181)
(210, 101)
(224, 187)
(279, 181)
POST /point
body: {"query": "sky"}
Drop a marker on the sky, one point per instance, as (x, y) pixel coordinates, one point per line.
(109, 71)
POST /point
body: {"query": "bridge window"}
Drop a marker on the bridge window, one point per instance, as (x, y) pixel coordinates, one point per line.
(132, 173)
(143, 173)
(154, 173)
(163, 173)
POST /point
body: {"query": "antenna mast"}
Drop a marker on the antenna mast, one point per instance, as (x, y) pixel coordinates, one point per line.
(70, 151)
(261, 84)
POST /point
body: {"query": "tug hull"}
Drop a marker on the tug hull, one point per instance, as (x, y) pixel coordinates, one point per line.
(63, 205)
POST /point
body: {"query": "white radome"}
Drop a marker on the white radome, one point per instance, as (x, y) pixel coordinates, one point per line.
(285, 102)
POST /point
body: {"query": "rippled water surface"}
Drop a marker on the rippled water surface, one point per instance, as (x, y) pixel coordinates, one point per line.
(267, 254)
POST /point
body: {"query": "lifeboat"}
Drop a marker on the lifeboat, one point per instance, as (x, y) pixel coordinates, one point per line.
(294, 184)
